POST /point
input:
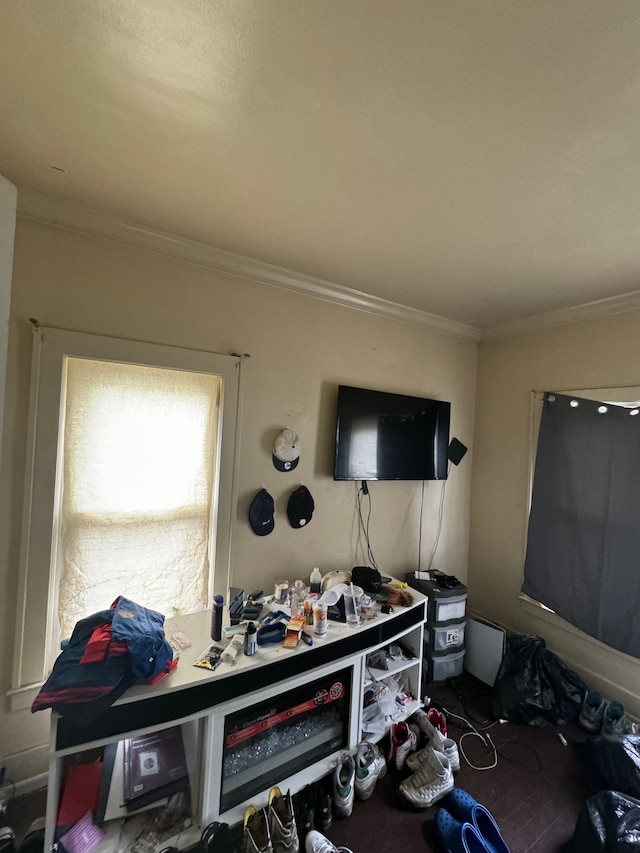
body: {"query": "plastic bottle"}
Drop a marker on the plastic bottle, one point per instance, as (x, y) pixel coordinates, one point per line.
(216, 617)
(250, 645)
(315, 581)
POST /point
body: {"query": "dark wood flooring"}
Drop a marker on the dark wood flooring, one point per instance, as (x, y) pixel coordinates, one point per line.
(535, 792)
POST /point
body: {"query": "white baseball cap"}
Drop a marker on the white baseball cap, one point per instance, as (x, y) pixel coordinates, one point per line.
(286, 450)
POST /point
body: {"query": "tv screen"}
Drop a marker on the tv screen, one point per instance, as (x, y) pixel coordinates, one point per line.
(386, 436)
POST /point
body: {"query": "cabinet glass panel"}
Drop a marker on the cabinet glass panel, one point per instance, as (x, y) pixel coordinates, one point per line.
(282, 735)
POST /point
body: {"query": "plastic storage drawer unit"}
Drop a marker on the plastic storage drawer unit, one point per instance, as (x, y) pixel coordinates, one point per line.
(445, 638)
(443, 667)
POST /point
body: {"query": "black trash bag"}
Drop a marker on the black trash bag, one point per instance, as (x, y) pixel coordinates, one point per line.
(614, 761)
(607, 823)
(534, 687)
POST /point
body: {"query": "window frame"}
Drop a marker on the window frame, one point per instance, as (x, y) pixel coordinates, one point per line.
(36, 642)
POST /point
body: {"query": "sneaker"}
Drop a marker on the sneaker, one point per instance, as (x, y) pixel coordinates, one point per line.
(215, 838)
(370, 766)
(323, 810)
(592, 711)
(257, 838)
(343, 785)
(438, 720)
(615, 721)
(403, 741)
(304, 808)
(282, 824)
(435, 740)
(433, 781)
(317, 843)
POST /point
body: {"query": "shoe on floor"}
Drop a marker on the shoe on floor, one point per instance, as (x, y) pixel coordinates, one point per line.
(370, 766)
(305, 810)
(282, 824)
(257, 838)
(438, 720)
(323, 809)
(343, 786)
(615, 721)
(456, 837)
(316, 842)
(431, 783)
(592, 711)
(465, 809)
(403, 741)
(435, 740)
(215, 838)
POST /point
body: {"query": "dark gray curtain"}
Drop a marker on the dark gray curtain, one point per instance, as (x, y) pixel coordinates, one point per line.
(583, 547)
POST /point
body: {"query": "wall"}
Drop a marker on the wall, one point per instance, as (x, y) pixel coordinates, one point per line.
(594, 354)
(8, 197)
(301, 348)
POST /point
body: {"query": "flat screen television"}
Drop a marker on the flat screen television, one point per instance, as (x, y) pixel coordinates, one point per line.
(386, 436)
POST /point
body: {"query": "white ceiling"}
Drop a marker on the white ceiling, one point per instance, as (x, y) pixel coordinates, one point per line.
(475, 159)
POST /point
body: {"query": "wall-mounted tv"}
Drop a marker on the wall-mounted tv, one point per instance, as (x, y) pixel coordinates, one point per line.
(386, 436)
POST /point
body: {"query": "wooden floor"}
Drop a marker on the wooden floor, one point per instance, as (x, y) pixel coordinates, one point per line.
(535, 791)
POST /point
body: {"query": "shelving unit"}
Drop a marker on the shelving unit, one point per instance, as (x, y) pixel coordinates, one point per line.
(204, 703)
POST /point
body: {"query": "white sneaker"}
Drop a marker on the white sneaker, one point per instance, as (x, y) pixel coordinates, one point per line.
(370, 766)
(435, 740)
(343, 786)
(403, 741)
(317, 843)
(433, 781)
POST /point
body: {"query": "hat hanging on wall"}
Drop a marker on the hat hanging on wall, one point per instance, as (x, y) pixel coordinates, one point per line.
(286, 450)
(300, 507)
(261, 513)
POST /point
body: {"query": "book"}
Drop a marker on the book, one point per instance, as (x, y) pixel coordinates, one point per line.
(155, 766)
(111, 804)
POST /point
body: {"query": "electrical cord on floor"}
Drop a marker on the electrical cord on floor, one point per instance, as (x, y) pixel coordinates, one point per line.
(473, 732)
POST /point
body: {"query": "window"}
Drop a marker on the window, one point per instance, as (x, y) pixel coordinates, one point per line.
(584, 538)
(129, 485)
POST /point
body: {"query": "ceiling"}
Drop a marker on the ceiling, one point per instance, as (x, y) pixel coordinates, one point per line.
(479, 161)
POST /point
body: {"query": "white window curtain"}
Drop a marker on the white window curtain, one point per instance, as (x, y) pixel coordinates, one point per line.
(138, 459)
(130, 485)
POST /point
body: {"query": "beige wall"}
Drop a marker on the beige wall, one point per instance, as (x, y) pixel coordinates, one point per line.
(301, 348)
(594, 354)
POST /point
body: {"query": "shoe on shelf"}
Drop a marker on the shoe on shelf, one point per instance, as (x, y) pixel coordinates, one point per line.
(403, 741)
(431, 783)
(437, 741)
(615, 721)
(456, 837)
(343, 785)
(257, 838)
(282, 823)
(370, 766)
(592, 711)
(465, 809)
(316, 842)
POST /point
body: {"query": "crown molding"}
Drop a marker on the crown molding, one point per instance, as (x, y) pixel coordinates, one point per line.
(56, 212)
(565, 316)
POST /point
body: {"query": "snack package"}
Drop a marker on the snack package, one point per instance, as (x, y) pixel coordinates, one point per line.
(210, 658)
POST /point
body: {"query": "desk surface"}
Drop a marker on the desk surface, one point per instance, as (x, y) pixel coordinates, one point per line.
(189, 690)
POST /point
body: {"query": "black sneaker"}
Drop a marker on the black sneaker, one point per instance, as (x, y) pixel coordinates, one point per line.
(216, 838)
(324, 811)
(304, 808)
